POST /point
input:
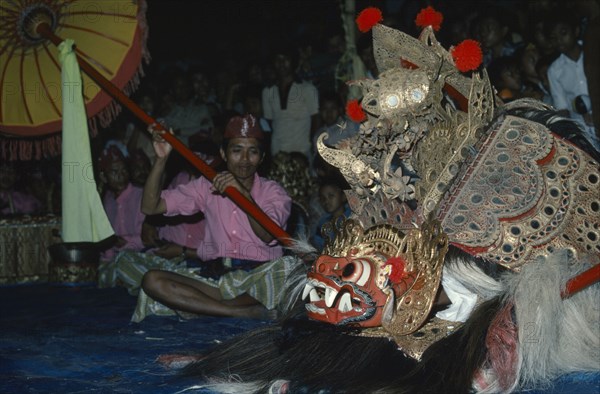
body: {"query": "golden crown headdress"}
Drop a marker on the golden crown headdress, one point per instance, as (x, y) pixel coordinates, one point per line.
(421, 252)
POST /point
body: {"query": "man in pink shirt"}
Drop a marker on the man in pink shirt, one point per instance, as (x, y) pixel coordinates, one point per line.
(122, 203)
(174, 233)
(229, 232)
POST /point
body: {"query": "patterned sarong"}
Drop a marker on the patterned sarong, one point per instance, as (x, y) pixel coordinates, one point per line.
(264, 283)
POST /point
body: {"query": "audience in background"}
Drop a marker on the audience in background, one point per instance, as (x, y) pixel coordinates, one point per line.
(291, 170)
(539, 37)
(117, 137)
(12, 200)
(292, 107)
(187, 116)
(568, 82)
(43, 182)
(167, 240)
(495, 36)
(541, 67)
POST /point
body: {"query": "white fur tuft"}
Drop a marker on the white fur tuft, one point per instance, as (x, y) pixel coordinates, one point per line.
(556, 336)
(473, 278)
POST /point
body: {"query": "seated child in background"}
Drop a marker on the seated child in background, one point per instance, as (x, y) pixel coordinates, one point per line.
(505, 75)
(42, 180)
(538, 35)
(529, 57)
(334, 123)
(253, 105)
(333, 200)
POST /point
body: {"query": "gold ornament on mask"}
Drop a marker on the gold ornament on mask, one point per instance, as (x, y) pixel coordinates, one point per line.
(409, 301)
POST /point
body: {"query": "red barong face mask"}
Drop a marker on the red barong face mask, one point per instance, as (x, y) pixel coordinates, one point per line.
(343, 290)
(378, 277)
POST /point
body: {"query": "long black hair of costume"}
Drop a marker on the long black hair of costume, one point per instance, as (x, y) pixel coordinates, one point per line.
(319, 357)
(311, 355)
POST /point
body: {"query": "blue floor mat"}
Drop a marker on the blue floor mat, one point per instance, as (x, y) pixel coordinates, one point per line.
(80, 340)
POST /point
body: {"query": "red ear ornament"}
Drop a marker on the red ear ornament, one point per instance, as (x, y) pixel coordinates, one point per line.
(467, 55)
(398, 265)
(368, 18)
(429, 17)
(355, 111)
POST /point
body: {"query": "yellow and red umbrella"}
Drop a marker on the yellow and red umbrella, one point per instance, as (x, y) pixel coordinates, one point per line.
(110, 35)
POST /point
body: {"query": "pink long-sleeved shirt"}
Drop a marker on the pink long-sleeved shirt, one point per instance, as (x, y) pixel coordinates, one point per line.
(228, 232)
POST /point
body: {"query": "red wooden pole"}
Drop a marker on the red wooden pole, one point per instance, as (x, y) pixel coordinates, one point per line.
(581, 281)
(246, 205)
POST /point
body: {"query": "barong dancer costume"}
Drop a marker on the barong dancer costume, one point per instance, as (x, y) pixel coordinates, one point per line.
(455, 194)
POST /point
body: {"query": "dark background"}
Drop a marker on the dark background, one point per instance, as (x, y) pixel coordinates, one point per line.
(213, 32)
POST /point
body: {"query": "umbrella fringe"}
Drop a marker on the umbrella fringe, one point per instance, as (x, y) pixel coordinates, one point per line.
(109, 113)
(12, 149)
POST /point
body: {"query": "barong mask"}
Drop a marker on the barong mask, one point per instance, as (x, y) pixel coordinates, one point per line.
(377, 277)
(502, 187)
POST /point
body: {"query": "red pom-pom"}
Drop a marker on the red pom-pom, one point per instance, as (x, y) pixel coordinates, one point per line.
(467, 55)
(368, 18)
(355, 111)
(397, 273)
(429, 17)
